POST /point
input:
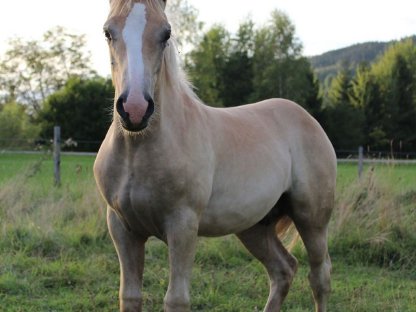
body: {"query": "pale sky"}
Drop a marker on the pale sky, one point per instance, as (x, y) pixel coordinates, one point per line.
(321, 25)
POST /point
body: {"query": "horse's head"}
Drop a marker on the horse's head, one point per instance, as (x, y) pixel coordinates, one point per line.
(137, 32)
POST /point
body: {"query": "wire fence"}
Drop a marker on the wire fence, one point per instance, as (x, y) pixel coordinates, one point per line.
(57, 146)
(369, 154)
(85, 146)
(42, 145)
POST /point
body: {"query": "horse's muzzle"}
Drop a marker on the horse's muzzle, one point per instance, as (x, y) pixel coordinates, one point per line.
(125, 117)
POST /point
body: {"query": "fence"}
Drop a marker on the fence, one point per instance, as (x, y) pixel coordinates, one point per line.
(46, 144)
(70, 146)
(376, 155)
(91, 146)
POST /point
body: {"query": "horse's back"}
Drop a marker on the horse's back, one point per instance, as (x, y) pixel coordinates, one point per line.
(290, 122)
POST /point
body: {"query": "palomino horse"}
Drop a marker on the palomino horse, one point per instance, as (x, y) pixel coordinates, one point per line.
(174, 168)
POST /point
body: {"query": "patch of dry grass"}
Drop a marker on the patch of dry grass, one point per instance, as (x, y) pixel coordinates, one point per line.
(374, 221)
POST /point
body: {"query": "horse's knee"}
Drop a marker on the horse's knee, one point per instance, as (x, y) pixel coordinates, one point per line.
(288, 273)
(289, 269)
(293, 263)
(288, 266)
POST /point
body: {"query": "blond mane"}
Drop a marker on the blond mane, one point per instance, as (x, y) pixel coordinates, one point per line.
(173, 76)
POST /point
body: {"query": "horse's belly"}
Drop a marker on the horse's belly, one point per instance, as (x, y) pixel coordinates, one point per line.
(235, 211)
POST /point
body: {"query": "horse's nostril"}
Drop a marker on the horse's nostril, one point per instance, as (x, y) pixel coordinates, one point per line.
(150, 107)
(120, 108)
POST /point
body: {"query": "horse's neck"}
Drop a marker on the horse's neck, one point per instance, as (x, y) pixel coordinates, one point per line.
(178, 113)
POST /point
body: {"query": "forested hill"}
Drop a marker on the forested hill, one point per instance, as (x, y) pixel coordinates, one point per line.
(328, 64)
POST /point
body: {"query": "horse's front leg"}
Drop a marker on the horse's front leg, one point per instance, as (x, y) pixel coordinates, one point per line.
(181, 236)
(130, 251)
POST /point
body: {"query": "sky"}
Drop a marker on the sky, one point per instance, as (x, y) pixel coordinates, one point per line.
(321, 25)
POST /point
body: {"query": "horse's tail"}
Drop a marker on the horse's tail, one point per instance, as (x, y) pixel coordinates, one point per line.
(287, 233)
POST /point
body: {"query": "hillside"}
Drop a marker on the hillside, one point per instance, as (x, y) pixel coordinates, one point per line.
(327, 64)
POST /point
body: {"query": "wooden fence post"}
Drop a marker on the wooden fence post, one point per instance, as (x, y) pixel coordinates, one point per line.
(360, 161)
(57, 154)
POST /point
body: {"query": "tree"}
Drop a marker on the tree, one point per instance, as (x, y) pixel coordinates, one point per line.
(206, 64)
(278, 65)
(221, 66)
(32, 70)
(403, 108)
(311, 95)
(16, 128)
(237, 71)
(184, 20)
(253, 65)
(344, 120)
(82, 109)
(394, 74)
(365, 94)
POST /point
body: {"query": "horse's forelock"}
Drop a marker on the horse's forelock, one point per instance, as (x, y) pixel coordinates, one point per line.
(123, 7)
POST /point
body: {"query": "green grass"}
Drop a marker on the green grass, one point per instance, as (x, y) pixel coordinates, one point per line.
(56, 255)
(41, 166)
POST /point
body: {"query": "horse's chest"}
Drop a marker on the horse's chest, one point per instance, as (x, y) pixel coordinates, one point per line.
(141, 199)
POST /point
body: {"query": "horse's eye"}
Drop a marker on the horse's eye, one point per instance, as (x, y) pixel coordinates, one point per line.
(166, 35)
(107, 35)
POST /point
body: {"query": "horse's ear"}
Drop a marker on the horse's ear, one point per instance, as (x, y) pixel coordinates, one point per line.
(162, 2)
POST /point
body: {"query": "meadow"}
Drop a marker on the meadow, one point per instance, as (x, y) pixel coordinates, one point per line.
(56, 254)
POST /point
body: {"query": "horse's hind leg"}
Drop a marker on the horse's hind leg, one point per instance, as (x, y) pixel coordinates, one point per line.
(262, 241)
(315, 240)
(312, 225)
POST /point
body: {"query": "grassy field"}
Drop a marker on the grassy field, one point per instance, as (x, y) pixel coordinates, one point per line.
(56, 255)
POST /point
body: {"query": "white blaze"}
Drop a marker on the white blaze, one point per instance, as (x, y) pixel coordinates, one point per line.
(133, 37)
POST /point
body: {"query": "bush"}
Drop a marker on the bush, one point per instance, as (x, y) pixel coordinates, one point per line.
(16, 128)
